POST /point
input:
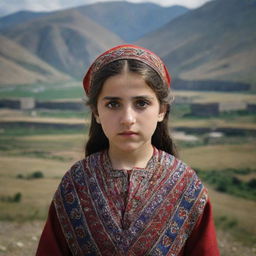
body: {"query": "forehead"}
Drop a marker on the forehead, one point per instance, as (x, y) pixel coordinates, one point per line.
(126, 84)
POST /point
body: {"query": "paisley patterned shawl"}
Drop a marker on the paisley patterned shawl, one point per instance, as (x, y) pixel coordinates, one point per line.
(161, 206)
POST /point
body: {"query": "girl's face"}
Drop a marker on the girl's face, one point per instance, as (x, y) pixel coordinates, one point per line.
(128, 111)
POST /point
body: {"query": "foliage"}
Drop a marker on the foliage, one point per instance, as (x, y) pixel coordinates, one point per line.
(225, 223)
(69, 90)
(34, 175)
(179, 110)
(26, 131)
(16, 198)
(226, 181)
(63, 113)
(232, 225)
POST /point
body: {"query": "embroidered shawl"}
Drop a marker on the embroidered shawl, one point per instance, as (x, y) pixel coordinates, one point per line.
(149, 211)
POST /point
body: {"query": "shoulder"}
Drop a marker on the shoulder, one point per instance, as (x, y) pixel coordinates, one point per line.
(84, 164)
(181, 172)
(174, 163)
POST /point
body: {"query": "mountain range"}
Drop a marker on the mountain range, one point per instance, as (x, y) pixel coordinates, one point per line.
(216, 42)
(213, 42)
(69, 40)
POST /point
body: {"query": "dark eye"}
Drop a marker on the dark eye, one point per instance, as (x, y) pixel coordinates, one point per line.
(113, 104)
(142, 104)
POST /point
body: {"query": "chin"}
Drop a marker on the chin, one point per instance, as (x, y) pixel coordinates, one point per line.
(131, 148)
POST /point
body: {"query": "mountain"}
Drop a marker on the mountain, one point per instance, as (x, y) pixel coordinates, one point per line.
(19, 17)
(18, 66)
(70, 40)
(216, 42)
(66, 40)
(129, 20)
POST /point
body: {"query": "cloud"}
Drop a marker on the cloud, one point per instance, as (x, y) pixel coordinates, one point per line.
(187, 3)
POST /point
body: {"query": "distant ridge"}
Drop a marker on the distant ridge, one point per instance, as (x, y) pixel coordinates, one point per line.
(131, 21)
(19, 17)
(216, 41)
(70, 40)
(18, 66)
(66, 40)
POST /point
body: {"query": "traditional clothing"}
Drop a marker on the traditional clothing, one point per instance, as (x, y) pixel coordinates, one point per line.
(126, 52)
(162, 209)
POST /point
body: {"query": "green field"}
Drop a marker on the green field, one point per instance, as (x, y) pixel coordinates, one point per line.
(46, 91)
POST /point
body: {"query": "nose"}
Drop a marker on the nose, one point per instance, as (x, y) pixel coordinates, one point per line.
(128, 116)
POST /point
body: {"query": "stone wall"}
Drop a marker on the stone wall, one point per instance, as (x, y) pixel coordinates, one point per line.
(30, 103)
(60, 105)
(23, 103)
(209, 85)
(251, 108)
(206, 109)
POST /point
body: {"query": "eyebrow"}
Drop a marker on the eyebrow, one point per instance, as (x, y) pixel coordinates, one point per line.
(136, 97)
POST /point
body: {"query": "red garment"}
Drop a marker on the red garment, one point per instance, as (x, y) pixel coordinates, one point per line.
(202, 241)
(194, 237)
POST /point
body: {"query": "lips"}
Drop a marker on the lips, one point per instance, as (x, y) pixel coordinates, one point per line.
(128, 133)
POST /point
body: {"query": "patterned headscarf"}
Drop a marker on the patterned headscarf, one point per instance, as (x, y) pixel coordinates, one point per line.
(127, 51)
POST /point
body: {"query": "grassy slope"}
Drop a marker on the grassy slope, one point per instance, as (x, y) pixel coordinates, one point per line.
(19, 66)
(219, 157)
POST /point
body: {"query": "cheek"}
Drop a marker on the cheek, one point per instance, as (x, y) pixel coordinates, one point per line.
(108, 123)
(150, 121)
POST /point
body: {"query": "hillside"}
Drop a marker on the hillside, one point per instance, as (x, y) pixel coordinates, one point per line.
(216, 42)
(131, 21)
(18, 66)
(19, 17)
(67, 40)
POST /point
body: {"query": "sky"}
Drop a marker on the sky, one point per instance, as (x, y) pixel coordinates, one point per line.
(10, 6)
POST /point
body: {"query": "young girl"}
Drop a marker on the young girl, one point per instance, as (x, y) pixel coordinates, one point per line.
(130, 195)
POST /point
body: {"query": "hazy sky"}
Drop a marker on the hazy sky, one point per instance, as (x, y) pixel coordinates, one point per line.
(9, 6)
(187, 3)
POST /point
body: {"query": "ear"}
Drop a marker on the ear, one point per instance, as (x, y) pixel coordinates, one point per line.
(97, 119)
(162, 112)
(96, 116)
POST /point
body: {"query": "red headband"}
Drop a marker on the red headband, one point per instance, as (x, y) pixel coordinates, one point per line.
(127, 51)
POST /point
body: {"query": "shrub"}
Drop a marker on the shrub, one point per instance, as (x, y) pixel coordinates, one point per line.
(17, 197)
(221, 187)
(225, 222)
(226, 181)
(20, 176)
(252, 183)
(36, 175)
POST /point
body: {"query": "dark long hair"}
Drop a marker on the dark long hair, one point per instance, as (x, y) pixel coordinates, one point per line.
(161, 138)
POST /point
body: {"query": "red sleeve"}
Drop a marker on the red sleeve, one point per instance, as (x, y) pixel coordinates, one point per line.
(52, 241)
(202, 241)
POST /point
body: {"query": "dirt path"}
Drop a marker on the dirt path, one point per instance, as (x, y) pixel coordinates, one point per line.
(18, 239)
